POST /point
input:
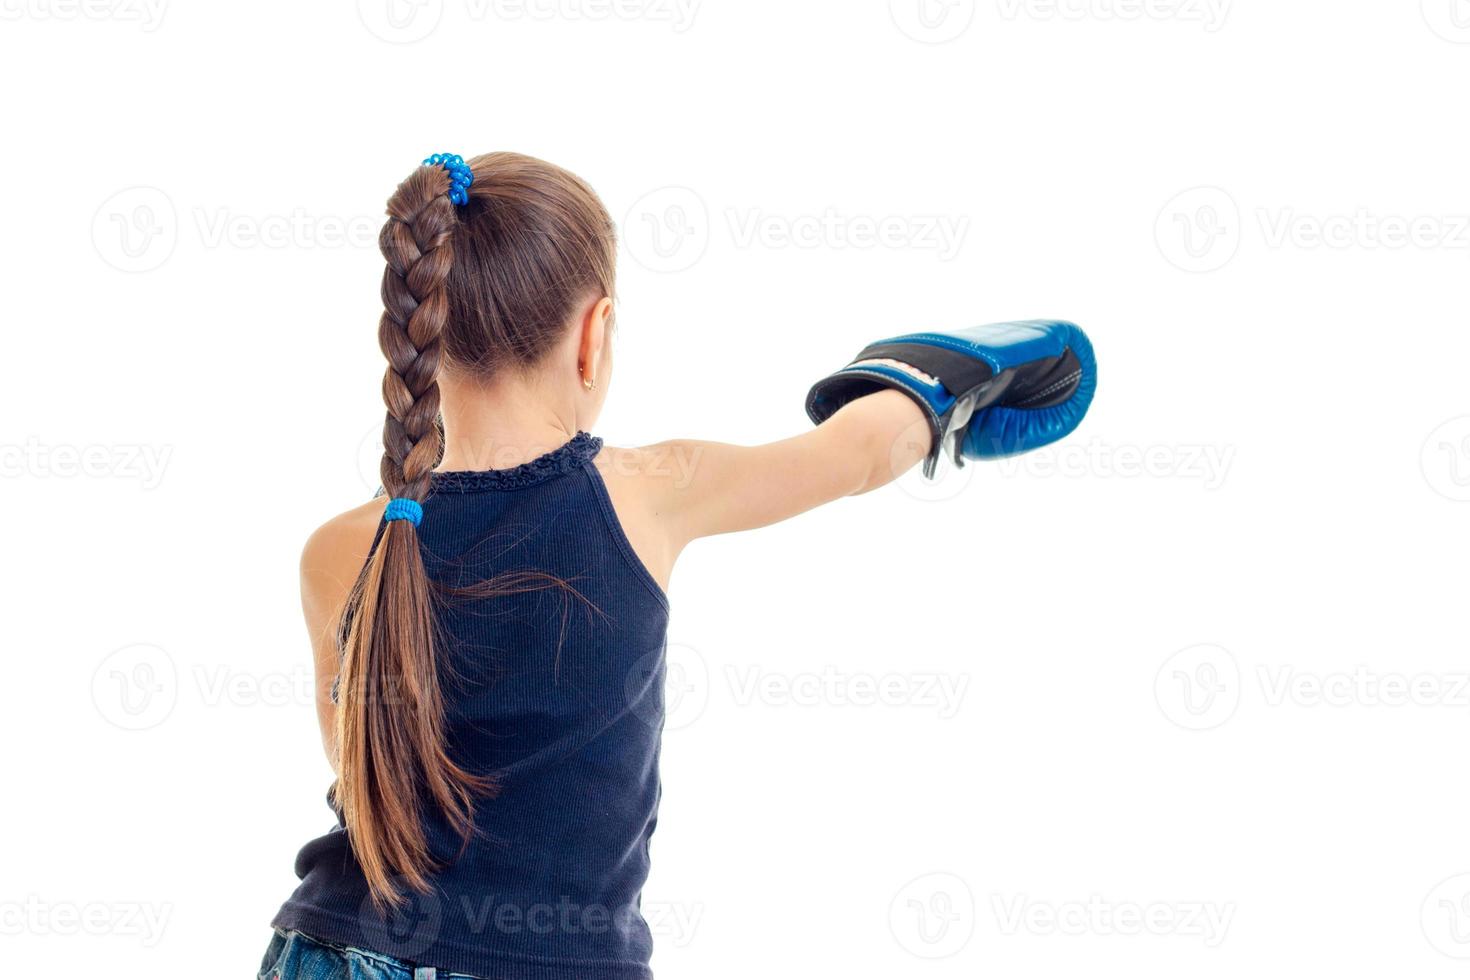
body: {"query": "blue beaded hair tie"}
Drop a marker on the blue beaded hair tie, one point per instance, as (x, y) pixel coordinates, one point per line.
(404, 509)
(460, 177)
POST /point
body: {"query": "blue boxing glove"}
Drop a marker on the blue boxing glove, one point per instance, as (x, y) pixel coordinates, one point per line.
(988, 391)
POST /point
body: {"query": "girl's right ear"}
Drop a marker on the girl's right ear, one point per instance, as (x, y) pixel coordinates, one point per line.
(596, 330)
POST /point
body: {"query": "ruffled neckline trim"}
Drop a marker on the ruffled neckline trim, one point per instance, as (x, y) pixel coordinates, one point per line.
(569, 456)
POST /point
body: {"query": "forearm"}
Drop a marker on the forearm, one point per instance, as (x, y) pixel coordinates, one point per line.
(885, 433)
(867, 443)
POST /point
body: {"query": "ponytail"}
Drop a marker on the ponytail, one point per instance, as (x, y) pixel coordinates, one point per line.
(535, 244)
(393, 764)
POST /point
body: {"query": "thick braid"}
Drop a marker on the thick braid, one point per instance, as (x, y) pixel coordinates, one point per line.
(393, 761)
(534, 244)
(415, 243)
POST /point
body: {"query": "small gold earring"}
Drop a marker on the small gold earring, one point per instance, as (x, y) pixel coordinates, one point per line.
(589, 384)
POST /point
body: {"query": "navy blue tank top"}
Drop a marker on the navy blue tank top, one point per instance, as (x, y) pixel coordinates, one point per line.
(559, 695)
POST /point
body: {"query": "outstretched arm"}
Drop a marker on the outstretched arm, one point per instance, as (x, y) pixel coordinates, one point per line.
(975, 393)
(674, 492)
(868, 443)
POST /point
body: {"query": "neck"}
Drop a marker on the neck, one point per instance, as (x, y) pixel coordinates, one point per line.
(503, 423)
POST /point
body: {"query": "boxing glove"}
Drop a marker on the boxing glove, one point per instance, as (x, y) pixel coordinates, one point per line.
(987, 391)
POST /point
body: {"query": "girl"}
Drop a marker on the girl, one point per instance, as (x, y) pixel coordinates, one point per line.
(488, 639)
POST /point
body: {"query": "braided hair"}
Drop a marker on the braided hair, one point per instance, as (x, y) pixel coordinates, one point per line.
(485, 266)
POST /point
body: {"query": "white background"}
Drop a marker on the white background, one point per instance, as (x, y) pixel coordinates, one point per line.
(1208, 656)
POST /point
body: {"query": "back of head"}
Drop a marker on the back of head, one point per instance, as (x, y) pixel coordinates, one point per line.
(487, 260)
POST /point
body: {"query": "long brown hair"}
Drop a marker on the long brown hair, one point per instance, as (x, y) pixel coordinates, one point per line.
(487, 286)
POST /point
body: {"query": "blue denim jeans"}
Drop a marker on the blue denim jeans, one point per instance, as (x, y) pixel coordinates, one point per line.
(292, 956)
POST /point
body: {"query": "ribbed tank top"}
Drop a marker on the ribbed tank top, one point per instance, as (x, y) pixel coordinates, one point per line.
(559, 695)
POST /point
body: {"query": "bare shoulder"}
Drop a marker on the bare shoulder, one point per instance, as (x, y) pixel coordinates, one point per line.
(332, 559)
(689, 488)
(644, 484)
(330, 563)
(661, 469)
(670, 493)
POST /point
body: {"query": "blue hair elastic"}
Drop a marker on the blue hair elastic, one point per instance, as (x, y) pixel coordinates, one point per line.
(404, 509)
(460, 177)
